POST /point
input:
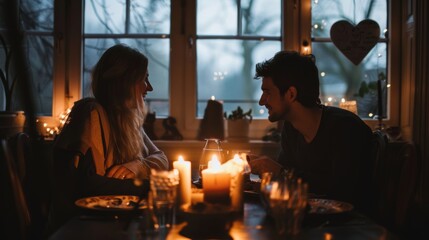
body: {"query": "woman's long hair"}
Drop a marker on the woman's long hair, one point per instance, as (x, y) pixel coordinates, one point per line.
(114, 81)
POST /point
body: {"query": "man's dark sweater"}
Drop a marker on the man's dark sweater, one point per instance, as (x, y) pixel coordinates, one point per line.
(337, 163)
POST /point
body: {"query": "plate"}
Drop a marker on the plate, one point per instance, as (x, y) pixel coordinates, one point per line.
(110, 203)
(328, 206)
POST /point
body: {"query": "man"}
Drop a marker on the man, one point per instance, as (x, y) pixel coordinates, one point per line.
(328, 147)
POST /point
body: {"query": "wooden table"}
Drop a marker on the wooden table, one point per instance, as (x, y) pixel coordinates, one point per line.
(253, 224)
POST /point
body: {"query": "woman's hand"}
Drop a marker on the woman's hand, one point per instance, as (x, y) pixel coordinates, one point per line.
(120, 172)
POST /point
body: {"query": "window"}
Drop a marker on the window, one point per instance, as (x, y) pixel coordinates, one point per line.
(231, 37)
(144, 25)
(36, 20)
(203, 48)
(340, 79)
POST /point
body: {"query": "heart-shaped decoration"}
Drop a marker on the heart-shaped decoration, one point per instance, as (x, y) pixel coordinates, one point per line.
(355, 42)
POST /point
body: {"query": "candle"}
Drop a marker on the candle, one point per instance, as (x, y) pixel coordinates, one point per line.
(349, 105)
(216, 183)
(197, 196)
(184, 168)
(235, 167)
(212, 123)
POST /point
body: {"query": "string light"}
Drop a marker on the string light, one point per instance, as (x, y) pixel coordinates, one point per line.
(49, 132)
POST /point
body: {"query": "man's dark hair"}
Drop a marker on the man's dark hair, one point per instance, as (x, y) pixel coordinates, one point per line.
(289, 68)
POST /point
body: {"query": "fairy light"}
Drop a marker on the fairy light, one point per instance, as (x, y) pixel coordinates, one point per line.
(49, 132)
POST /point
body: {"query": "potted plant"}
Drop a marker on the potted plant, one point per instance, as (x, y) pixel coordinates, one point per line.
(11, 122)
(238, 123)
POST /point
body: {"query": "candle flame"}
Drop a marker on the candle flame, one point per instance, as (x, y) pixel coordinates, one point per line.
(180, 158)
(237, 159)
(214, 163)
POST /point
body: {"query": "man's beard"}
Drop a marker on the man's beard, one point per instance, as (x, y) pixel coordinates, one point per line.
(274, 117)
(277, 116)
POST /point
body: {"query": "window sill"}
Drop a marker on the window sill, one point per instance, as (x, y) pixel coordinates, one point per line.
(191, 149)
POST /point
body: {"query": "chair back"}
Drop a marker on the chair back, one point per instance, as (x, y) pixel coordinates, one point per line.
(395, 179)
(14, 208)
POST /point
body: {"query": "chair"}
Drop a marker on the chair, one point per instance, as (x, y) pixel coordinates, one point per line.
(379, 178)
(396, 176)
(14, 208)
(25, 188)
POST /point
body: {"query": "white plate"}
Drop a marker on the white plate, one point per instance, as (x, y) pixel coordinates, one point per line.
(110, 203)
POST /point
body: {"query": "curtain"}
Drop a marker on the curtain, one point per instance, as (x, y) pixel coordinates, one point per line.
(421, 100)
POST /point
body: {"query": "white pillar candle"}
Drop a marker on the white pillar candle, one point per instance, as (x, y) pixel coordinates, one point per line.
(235, 167)
(237, 183)
(184, 168)
(216, 183)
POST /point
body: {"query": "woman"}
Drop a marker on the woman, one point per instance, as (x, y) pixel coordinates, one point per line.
(102, 146)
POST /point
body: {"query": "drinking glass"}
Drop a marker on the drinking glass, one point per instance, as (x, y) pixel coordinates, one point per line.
(211, 148)
(288, 200)
(265, 189)
(163, 196)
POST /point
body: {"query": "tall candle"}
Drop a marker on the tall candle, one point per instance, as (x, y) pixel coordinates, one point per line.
(235, 167)
(216, 183)
(184, 168)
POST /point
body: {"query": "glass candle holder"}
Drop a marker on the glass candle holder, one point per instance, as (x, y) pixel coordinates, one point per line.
(211, 148)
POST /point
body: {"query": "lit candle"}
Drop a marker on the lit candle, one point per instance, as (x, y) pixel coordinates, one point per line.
(348, 105)
(184, 168)
(216, 183)
(235, 167)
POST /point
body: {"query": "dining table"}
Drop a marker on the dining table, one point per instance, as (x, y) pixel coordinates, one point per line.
(252, 223)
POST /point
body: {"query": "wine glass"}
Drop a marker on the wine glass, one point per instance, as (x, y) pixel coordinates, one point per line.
(212, 148)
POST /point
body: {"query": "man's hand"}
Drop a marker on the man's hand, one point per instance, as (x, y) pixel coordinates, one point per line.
(261, 164)
(120, 172)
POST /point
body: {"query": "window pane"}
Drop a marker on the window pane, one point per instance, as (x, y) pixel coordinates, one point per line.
(36, 18)
(256, 21)
(40, 65)
(216, 17)
(145, 17)
(37, 15)
(157, 51)
(150, 16)
(327, 12)
(104, 16)
(226, 69)
(340, 78)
